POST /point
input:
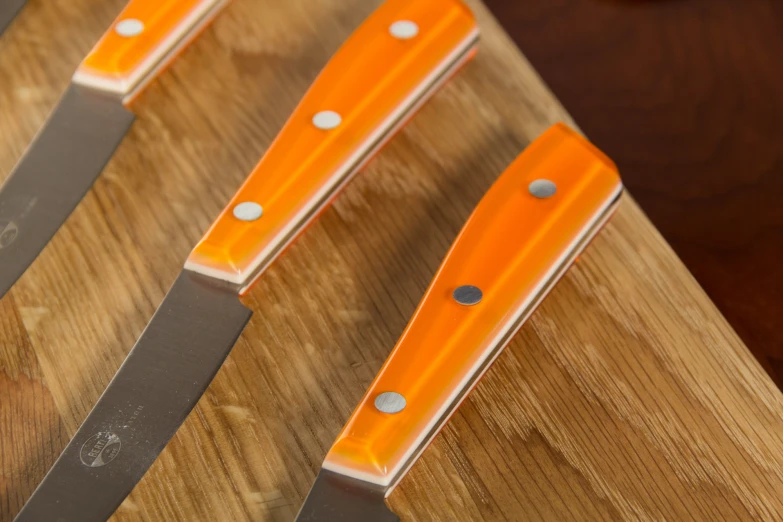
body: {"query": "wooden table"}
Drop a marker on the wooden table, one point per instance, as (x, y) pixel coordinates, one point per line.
(625, 397)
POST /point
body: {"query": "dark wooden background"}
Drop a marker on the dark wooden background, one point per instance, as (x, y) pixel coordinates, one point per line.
(687, 97)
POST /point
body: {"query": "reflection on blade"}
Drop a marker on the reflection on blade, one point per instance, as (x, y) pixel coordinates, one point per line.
(335, 497)
(52, 177)
(156, 387)
(8, 10)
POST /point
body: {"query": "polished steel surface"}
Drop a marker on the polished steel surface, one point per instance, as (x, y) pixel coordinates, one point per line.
(390, 402)
(148, 399)
(8, 11)
(542, 188)
(55, 173)
(337, 498)
(468, 295)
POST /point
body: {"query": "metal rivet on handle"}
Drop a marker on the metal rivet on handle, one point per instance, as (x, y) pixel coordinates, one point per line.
(327, 120)
(248, 211)
(404, 29)
(129, 27)
(542, 188)
(390, 402)
(468, 295)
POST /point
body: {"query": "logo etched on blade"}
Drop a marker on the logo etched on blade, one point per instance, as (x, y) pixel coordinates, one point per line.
(8, 232)
(100, 449)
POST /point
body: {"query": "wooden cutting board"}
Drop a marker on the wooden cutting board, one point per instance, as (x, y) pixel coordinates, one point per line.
(625, 397)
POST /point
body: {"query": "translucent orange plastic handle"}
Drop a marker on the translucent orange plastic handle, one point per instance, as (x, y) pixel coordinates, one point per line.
(517, 244)
(386, 69)
(142, 41)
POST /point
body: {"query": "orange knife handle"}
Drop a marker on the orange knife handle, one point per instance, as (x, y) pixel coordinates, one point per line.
(391, 64)
(513, 249)
(141, 42)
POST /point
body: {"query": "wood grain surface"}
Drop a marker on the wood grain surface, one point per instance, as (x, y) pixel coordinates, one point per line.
(625, 397)
(686, 97)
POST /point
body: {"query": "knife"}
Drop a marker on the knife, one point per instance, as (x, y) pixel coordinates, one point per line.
(8, 10)
(88, 124)
(524, 234)
(396, 60)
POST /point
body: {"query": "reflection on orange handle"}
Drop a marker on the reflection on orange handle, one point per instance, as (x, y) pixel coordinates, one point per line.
(142, 41)
(386, 69)
(513, 248)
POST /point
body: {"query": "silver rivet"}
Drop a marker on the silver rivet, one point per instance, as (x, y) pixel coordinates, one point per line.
(248, 211)
(542, 188)
(390, 402)
(404, 29)
(468, 295)
(327, 120)
(129, 27)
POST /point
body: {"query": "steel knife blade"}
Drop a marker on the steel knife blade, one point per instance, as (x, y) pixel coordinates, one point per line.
(88, 124)
(8, 11)
(520, 240)
(366, 92)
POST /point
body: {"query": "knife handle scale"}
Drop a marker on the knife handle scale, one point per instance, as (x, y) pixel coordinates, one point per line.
(390, 66)
(141, 42)
(513, 249)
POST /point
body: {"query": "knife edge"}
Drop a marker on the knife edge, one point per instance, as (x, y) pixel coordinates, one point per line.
(53, 175)
(176, 357)
(9, 11)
